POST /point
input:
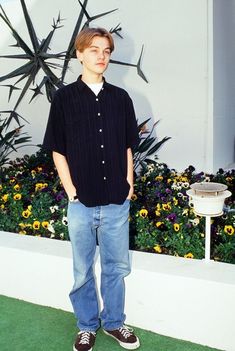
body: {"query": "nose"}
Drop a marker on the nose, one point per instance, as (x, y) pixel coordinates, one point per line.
(101, 54)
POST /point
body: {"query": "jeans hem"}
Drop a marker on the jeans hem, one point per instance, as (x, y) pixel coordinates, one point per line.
(90, 330)
(113, 327)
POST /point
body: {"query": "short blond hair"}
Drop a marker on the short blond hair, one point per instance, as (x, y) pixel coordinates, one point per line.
(85, 37)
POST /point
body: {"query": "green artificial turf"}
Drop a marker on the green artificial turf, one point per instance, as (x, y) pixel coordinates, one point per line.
(28, 327)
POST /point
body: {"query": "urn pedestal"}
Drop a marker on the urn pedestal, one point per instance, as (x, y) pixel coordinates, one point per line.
(208, 201)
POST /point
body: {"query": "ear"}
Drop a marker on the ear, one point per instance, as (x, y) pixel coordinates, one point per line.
(79, 55)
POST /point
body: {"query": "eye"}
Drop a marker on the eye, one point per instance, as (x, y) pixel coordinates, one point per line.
(93, 50)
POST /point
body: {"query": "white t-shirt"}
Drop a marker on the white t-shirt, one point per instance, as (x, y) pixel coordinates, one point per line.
(95, 87)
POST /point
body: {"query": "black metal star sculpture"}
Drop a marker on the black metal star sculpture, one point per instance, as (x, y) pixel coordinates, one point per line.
(36, 57)
(39, 58)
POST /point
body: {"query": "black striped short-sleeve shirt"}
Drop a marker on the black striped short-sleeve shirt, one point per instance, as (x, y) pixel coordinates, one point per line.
(93, 133)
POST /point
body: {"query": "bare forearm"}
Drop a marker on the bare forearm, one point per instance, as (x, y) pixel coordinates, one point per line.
(64, 173)
(130, 171)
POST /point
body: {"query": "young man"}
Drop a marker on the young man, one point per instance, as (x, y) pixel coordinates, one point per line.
(91, 131)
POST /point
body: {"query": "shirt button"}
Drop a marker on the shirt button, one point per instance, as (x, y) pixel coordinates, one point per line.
(105, 178)
(103, 162)
(98, 113)
(102, 146)
(100, 130)
(97, 99)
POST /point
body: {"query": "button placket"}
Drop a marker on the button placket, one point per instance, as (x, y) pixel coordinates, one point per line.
(102, 143)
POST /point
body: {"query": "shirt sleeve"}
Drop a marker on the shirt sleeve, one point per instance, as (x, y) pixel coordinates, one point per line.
(132, 134)
(54, 139)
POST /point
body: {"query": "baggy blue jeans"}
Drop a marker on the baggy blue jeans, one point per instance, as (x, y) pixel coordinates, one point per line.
(111, 225)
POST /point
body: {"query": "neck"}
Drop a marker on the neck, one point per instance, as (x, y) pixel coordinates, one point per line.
(92, 78)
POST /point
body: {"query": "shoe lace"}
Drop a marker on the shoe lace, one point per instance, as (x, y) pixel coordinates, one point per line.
(126, 331)
(85, 337)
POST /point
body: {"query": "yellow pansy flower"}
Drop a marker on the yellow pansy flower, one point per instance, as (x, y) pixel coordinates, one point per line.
(183, 179)
(166, 207)
(189, 255)
(17, 196)
(157, 248)
(38, 186)
(134, 197)
(159, 178)
(22, 225)
(158, 224)
(229, 229)
(143, 212)
(5, 197)
(176, 227)
(16, 187)
(36, 225)
(45, 224)
(26, 213)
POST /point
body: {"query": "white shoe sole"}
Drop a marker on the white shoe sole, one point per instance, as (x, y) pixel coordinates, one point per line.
(126, 346)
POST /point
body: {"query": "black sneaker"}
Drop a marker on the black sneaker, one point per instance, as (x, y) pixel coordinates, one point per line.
(125, 337)
(85, 341)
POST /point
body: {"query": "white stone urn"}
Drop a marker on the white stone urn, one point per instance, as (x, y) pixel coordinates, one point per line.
(208, 198)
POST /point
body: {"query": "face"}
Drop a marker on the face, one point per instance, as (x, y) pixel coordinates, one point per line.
(95, 58)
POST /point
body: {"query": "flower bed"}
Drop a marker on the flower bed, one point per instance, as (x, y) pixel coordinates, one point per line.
(33, 202)
(163, 220)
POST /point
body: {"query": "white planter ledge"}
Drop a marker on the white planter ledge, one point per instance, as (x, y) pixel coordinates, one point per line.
(182, 298)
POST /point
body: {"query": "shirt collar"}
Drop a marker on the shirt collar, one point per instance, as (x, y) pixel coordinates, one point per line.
(82, 85)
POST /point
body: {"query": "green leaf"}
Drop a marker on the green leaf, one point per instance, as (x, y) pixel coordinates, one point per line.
(144, 146)
(157, 146)
(143, 123)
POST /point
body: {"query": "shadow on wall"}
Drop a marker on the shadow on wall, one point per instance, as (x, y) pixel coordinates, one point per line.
(118, 74)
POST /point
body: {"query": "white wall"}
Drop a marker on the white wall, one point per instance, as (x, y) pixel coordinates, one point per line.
(224, 82)
(177, 61)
